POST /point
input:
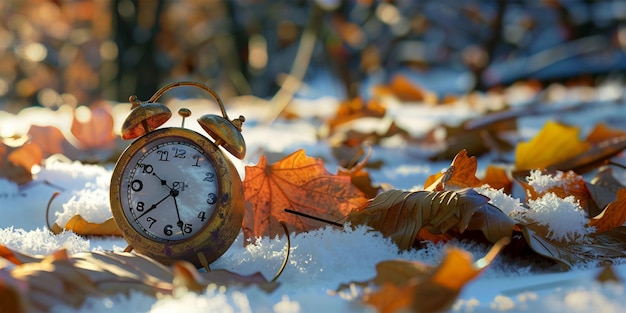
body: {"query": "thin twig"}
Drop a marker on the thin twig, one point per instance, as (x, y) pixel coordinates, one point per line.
(288, 250)
(54, 195)
(313, 217)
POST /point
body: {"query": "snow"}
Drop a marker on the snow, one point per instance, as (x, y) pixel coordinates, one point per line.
(564, 217)
(507, 204)
(323, 259)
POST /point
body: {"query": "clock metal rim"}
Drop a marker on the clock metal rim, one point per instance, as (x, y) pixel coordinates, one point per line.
(222, 228)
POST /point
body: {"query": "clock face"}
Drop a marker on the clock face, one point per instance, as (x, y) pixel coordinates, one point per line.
(169, 189)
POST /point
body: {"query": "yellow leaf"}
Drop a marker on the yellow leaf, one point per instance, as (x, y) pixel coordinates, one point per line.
(554, 143)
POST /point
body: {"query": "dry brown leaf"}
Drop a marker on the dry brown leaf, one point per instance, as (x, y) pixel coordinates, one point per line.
(553, 144)
(461, 174)
(95, 131)
(605, 247)
(603, 189)
(82, 227)
(569, 184)
(353, 109)
(492, 222)
(61, 279)
(299, 183)
(16, 163)
(401, 285)
(400, 215)
(497, 178)
(612, 216)
(405, 90)
(360, 177)
(602, 132)
(51, 141)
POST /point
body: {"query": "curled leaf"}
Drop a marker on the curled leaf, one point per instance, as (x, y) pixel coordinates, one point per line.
(400, 215)
(613, 215)
(401, 285)
(61, 279)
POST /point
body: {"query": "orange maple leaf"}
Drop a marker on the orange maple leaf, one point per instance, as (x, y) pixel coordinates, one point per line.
(299, 183)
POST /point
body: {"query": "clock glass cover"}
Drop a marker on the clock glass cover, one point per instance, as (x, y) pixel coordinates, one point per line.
(169, 189)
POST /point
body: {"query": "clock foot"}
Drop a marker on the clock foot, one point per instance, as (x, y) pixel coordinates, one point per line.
(203, 261)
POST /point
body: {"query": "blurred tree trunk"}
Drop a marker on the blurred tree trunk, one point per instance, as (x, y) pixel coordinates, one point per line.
(136, 25)
(492, 43)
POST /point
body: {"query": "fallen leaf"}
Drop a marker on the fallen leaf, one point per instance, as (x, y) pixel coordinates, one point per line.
(402, 88)
(80, 226)
(360, 177)
(602, 132)
(401, 285)
(461, 174)
(603, 189)
(61, 279)
(299, 183)
(605, 247)
(353, 109)
(51, 141)
(554, 143)
(562, 184)
(492, 222)
(497, 178)
(400, 215)
(597, 154)
(612, 216)
(16, 163)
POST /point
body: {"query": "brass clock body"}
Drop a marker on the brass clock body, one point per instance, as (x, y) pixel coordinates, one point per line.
(195, 206)
(174, 194)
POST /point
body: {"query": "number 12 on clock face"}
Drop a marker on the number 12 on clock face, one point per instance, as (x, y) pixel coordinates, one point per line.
(171, 190)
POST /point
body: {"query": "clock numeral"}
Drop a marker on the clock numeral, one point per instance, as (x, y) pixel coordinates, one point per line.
(147, 168)
(208, 176)
(151, 221)
(211, 199)
(163, 155)
(179, 153)
(187, 229)
(168, 230)
(202, 216)
(136, 185)
(140, 206)
(197, 158)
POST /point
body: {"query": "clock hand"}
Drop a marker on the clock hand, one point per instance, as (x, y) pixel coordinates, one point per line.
(152, 207)
(180, 221)
(163, 181)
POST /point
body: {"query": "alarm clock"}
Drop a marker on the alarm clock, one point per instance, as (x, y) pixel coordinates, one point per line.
(174, 193)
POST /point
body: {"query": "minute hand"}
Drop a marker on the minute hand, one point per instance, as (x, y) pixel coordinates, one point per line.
(152, 207)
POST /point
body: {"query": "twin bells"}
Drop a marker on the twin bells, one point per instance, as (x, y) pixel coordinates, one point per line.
(149, 115)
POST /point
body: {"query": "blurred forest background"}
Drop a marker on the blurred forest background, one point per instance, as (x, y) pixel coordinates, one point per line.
(77, 52)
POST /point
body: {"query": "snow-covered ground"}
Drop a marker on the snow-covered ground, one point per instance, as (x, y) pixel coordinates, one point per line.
(320, 260)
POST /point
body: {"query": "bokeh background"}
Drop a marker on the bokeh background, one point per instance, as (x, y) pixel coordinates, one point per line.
(78, 52)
